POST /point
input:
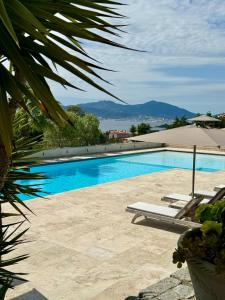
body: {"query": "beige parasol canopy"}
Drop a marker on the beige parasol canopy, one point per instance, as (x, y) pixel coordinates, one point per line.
(204, 118)
(186, 135)
(190, 135)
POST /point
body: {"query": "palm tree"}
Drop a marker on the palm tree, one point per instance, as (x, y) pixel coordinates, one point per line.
(36, 36)
(32, 34)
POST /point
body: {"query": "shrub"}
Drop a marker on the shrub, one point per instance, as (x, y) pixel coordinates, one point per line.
(208, 241)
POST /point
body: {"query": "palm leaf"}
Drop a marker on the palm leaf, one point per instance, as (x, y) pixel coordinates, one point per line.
(9, 240)
(34, 32)
(6, 21)
(5, 124)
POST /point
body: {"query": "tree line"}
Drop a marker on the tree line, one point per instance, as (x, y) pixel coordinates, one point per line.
(144, 128)
(81, 130)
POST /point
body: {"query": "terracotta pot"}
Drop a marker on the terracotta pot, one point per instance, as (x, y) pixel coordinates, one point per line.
(208, 285)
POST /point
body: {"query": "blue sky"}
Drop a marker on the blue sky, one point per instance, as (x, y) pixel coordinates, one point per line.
(185, 60)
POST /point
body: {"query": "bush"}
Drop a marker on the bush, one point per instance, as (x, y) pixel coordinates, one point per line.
(84, 131)
(208, 241)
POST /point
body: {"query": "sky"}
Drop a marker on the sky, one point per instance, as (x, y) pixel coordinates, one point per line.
(184, 62)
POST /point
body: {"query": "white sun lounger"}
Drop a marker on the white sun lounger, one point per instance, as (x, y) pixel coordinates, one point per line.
(176, 197)
(205, 194)
(168, 214)
(186, 198)
(219, 187)
(162, 213)
(181, 204)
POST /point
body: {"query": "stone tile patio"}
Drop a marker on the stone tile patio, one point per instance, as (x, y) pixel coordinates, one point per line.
(84, 246)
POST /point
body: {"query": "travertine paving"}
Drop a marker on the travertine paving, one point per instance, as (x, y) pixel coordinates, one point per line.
(84, 246)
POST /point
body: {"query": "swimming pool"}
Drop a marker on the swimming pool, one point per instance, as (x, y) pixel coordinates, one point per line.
(73, 175)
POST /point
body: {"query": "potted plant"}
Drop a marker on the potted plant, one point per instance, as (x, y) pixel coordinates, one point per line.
(203, 249)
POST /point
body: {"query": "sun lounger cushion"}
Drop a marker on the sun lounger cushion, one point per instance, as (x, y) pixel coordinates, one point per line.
(205, 193)
(219, 187)
(154, 209)
(177, 197)
(181, 204)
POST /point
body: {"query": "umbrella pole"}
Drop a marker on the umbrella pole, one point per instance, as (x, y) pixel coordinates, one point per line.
(193, 172)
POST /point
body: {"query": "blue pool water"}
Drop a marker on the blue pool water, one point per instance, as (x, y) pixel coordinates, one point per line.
(79, 174)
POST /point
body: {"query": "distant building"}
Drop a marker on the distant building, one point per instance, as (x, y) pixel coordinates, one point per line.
(118, 134)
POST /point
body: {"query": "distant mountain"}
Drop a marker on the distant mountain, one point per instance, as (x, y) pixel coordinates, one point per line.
(112, 110)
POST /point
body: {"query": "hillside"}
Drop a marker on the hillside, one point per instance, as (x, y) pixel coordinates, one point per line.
(112, 110)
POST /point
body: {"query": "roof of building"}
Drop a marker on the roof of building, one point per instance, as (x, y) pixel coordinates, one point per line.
(203, 118)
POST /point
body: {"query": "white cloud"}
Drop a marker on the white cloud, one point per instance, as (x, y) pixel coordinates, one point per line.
(176, 34)
(177, 27)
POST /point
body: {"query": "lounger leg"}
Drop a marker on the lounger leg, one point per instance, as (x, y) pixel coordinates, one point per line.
(135, 217)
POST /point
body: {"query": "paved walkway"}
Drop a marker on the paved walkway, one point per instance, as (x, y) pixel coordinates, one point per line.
(176, 287)
(84, 246)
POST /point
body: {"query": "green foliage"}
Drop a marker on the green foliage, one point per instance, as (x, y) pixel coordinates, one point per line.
(133, 130)
(208, 241)
(30, 124)
(76, 109)
(178, 122)
(82, 131)
(210, 212)
(221, 124)
(10, 240)
(89, 130)
(12, 232)
(35, 39)
(103, 138)
(143, 128)
(211, 227)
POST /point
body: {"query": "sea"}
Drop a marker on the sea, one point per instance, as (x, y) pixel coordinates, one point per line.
(125, 124)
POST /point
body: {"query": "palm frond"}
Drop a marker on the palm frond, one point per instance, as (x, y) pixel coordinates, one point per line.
(11, 233)
(39, 31)
(10, 239)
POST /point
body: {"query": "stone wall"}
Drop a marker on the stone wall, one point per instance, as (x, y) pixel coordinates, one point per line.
(73, 151)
